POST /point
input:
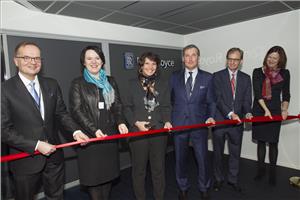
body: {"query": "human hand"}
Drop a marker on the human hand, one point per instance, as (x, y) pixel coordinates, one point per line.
(123, 128)
(249, 116)
(45, 148)
(234, 116)
(168, 125)
(81, 137)
(141, 125)
(268, 114)
(100, 134)
(210, 121)
(284, 114)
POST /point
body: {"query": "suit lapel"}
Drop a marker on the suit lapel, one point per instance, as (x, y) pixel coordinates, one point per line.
(196, 84)
(45, 92)
(27, 96)
(238, 85)
(182, 84)
(226, 78)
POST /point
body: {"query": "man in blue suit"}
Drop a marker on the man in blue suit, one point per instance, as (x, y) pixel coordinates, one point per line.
(233, 98)
(193, 103)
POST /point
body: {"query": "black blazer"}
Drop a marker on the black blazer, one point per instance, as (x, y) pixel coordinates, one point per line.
(241, 105)
(134, 107)
(22, 124)
(84, 98)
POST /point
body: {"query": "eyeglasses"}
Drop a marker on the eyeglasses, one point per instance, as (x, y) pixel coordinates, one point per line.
(233, 60)
(30, 59)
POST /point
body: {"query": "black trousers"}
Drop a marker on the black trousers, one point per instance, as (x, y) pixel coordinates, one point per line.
(152, 149)
(100, 192)
(234, 136)
(51, 177)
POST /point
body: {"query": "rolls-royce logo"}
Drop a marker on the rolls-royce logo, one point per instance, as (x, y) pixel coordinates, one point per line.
(129, 60)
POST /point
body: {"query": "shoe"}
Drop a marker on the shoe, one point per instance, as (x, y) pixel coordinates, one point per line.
(217, 185)
(182, 195)
(205, 195)
(235, 187)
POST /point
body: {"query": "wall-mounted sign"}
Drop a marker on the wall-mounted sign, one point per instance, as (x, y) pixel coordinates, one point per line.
(130, 61)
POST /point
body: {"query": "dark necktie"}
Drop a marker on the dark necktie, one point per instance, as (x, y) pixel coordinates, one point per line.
(34, 94)
(188, 85)
(232, 81)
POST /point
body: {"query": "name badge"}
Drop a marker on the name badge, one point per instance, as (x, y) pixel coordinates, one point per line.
(101, 105)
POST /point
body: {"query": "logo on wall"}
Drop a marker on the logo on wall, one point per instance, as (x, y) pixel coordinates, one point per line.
(129, 60)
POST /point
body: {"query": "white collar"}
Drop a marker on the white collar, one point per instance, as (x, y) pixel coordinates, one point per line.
(26, 81)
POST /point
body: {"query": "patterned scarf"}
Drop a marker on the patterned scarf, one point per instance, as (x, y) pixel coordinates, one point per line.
(272, 77)
(150, 99)
(107, 90)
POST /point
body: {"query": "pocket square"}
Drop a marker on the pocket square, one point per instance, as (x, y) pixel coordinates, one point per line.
(50, 94)
(202, 87)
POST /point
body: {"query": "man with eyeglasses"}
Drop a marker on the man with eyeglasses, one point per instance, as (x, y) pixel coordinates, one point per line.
(30, 107)
(233, 99)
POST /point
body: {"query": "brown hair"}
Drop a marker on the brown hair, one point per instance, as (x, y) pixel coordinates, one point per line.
(282, 56)
(151, 56)
(191, 46)
(235, 49)
(23, 44)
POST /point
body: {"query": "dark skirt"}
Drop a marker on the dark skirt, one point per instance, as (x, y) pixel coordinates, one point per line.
(266, 131)
(98, 162)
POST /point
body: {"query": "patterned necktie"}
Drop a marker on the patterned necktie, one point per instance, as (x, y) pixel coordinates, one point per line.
(34, 94)
(188, 85)
(232, 81)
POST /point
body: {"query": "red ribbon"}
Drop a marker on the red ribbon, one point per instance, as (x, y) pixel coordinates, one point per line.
(17, 156)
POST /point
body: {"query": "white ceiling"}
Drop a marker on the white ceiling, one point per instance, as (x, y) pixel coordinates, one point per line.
(182, 17)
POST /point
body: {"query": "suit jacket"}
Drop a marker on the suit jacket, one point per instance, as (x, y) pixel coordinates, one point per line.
(134, 107)
(241, 104)
(22, 124)
(201, 104)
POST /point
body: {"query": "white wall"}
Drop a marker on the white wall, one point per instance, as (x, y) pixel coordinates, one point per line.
(255, 37)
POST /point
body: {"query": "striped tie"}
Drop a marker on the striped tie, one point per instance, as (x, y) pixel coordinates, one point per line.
(34, 94)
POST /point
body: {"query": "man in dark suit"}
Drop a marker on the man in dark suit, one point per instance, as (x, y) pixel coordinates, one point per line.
(30, 107)
(193, 103)
(233, 94)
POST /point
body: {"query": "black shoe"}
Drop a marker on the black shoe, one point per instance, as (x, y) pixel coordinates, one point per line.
(205, 195)
(217, 185)
(182, 195)
(235, 187)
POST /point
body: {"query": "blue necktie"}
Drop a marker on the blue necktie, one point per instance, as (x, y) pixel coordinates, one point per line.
(34, 94)
(188, 85)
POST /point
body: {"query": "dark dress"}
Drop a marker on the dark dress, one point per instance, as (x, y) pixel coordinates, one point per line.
(98, 162)
(269, 132)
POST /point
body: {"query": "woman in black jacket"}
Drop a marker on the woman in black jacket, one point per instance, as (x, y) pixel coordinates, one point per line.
(147, 106)
(96, 106)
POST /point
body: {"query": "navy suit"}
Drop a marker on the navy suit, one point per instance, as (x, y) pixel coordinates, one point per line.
(194, 110)
(240, 105)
